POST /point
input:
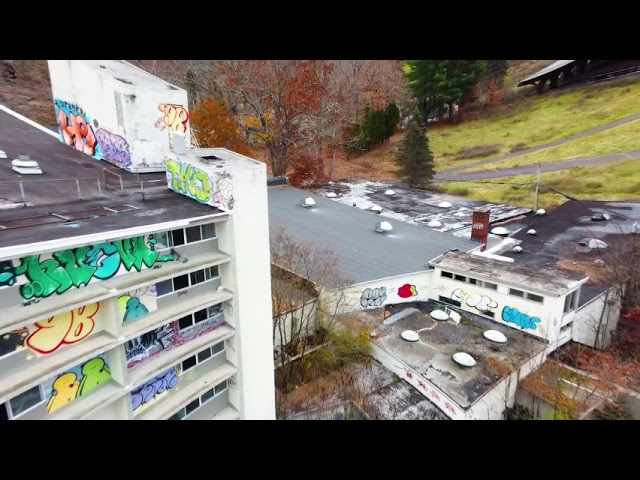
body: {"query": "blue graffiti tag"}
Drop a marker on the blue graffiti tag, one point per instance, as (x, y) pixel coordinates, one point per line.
(524, 321)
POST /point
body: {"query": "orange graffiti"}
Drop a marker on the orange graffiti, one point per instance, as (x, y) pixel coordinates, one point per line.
(78, 133)
(64, 329)
(175, 117)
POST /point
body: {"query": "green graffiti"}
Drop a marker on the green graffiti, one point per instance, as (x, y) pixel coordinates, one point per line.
(189, 180)
(94, 372)
(78, 267)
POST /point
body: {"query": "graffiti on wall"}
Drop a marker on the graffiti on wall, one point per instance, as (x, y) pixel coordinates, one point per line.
(373, 297)
(67, 328)
(154, 389)
(189, 180)
(113, 147)
(524, 321)
(76, 383)
(173, 116)
(223, 196)
(407, 291)
(137, 303)
(75, 127)
(150, 344)
(13, 341)
(438, 398)
(200, 328)
(78, 267)
(481, 303)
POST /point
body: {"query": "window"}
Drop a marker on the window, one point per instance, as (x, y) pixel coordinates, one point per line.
(200, 316)
(162, 240)
(460, 278)
(211, 272)
(177, 237)
(208, 231)
(185, 322)
(446, 274)
(4, 415)
(535, 298)
(571, 302)
(5, 265)
(180, 282)
(193, 234)
(165, 287)
(214, 310)
(473, 281)
(488, 313)
(198, 402)
(191, 407)
(490, 286)
(221, 387)
(202, 355)
(449, 301)
(516, 293)
(197, 277)
(208, 395)
(25, 401)
(184, 281)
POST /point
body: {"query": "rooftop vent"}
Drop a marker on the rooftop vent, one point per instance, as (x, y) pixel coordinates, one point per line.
(495, 336)
(434, 224)
(376, 208)
(531, 232)
(210, 158)
(331, 195)
(599, 262)
(410, 336)
(541, 212)
(501, 231)
(592, 243)
(600, 217)
(308, 202)
(440, 315)
(3, 154)
(445, 205)
(383, 227)
(25, 166)
(517, 249)
(464, 359)
(389, 192)
(179, 143)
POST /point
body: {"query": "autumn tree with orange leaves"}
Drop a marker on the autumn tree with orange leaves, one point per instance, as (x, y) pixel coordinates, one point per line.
(213, 126)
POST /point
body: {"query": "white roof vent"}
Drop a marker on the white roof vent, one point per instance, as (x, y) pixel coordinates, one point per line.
(25, 166)
(439, 315)
(517, 249)
(464, 359)
(500, 231)
(531, 232)
(179, 143)
(434, 224)
(3, 154)
(595, 243)
(495, 336)
(541, 212)
(382, 227)
(600, 217)
(389, 192)
(444, 205)
(308, 202)
(376, 208)
(331, 195)
(410, 336)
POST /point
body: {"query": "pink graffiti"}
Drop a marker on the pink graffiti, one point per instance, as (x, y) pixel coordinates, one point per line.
(449, 407)
(422, 384)
(435, 395)
(77, 132)
(175, 117)
(113, 147)
(409, 375)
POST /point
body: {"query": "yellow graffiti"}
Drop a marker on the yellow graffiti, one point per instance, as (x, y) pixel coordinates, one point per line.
(189, 180)
(175, 117)
(66, 387)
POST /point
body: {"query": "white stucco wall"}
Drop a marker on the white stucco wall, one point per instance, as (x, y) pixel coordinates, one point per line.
(592, 326)
(540, 319)
(304, 314)
(137, 141)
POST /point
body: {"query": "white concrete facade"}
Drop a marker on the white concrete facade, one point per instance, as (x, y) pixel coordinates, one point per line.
(167, 321)
(116, 112)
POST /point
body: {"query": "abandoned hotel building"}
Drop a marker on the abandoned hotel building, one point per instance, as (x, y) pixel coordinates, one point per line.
(130, 303)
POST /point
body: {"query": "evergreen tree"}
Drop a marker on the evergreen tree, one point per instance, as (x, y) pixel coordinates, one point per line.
(414, 158)
(392, 118)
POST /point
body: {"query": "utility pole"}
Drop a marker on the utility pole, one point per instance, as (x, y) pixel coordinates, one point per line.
(537, 186)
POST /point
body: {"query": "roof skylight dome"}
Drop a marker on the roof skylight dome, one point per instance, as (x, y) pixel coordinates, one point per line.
(331, 195)
(464, 359)
(308, 202)
(389, 192)
(434, 224)
(383, 227)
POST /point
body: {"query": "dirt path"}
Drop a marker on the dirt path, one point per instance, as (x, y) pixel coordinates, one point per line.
(555, 143)
(529, 169)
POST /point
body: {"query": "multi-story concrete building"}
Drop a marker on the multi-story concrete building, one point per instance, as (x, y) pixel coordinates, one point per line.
(127, 304)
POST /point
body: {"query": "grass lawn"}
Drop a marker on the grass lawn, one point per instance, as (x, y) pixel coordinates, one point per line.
(537, 120)
(617, 140)
(615, 181)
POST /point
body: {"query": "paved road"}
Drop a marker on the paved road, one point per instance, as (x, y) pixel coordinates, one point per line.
(593, 131)
(529, 169)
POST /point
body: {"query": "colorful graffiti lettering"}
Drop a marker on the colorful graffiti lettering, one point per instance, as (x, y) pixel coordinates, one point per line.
(407, 290)
(524, 321)
(147, 393)
(429, 391)
(80, 266)
(138, 303)
(481, 303)
(64, 329)
(113, 148)
(150, 344)
(174, 116)
(223, 195)
(13, 341)
(75, 128)
(373, 297)
(77, 382)
(409, 374)
(188, 180)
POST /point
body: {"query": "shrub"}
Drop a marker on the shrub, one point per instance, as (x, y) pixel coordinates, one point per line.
(518, 147)
(593, 185)
(459, 190)
(477, 151)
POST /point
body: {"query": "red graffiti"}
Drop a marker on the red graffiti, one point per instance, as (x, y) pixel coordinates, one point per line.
(407, 290)
(449, 407)
(175, 117)
(422, 384)
(435, 395)
(409, 375)
(76, 131)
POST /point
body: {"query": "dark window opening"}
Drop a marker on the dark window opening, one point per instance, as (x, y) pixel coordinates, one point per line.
(446, 274)
(189, 363)
(449, 301)
(178, 237)
(185, 322)
(193, 234)
(200, 316)
(180, 282)
(191, 407)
